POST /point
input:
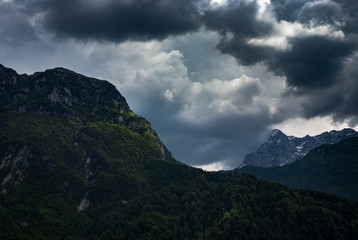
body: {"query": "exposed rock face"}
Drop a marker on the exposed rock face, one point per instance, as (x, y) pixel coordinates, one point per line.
(61, 92)
(15, 164)
(280, 149)
(87, 168)
(84, 204)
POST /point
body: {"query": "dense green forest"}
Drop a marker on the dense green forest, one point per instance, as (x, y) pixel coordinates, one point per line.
(331, 168)
(76, 163)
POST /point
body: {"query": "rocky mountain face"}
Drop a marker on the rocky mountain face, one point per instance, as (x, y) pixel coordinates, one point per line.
(281, 150)
(77, 163)
(62, 93)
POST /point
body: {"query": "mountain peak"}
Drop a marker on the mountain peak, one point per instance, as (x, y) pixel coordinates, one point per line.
(277, 135)
(281, 150)
(62, 92)
(275, 132)
(62, 70)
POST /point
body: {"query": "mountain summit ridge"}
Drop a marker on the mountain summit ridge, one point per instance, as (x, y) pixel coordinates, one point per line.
(280, 149)
(59, 88)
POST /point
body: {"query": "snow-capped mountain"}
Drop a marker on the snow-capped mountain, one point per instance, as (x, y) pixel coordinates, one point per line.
(280, 149)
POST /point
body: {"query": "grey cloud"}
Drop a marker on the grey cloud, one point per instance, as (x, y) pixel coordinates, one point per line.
(288, 9)
(15, 27)
(322, 12)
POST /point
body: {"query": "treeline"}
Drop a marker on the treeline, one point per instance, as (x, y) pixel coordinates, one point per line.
(219, 206)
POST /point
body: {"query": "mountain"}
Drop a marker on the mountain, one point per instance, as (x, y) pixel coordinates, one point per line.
(329, 168)
(77, 163)
(280, 149)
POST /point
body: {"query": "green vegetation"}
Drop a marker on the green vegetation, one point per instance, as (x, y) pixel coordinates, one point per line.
(218, 206)
(329, 168)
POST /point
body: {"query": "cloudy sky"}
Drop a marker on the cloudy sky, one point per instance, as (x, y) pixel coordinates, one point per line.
(214, 77)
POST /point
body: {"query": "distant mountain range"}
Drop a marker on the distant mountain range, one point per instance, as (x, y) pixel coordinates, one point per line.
(330, 168)
(281, 149)
(77, 163)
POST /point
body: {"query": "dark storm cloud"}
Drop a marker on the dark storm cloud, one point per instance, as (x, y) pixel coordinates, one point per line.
(121, 20)
(313, 62)
(350, 8)
(340, 100)
(237, 23)
(245, 53)
(238, 17)
(321, 68)
(314, 66)
(113, 20)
